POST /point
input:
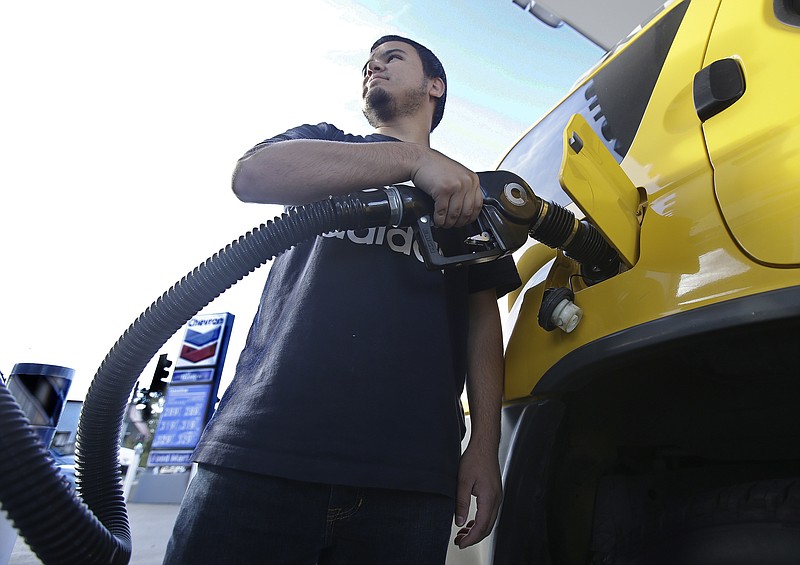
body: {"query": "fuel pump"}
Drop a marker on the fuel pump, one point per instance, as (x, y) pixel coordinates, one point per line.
(93, 528)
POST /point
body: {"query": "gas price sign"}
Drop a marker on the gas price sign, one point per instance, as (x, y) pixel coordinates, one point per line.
(183, 418)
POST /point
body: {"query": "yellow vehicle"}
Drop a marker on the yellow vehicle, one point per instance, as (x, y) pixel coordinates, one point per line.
(661, 425)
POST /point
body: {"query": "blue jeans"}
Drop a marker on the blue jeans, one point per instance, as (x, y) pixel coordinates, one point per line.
(231, 516)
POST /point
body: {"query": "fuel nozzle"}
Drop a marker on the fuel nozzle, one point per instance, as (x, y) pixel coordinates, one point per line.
(509, 206)
(511, 213)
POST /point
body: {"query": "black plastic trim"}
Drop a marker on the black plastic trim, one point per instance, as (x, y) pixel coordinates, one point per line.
(521, 534)
(629, 347)
(787, 11)
(625, 85)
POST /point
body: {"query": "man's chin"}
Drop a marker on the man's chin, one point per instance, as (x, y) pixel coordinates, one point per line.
(377, 94)
(378, 106)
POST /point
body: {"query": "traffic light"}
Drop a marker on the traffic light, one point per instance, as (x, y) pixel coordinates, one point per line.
(160, 375)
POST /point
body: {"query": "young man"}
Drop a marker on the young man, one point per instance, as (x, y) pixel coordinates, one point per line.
(339, 439)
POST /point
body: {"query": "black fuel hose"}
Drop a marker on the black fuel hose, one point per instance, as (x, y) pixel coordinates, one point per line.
(94, 529)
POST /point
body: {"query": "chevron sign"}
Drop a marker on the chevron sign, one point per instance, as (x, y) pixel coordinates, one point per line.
(192, 393)
(203, 340)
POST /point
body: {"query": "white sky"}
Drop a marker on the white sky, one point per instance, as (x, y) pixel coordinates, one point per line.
(121, 122)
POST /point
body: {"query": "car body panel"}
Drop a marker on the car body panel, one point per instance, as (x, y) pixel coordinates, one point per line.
(688, 258)
(755, 145)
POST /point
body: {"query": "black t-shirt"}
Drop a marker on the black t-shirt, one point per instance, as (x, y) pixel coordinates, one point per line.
(355, 362)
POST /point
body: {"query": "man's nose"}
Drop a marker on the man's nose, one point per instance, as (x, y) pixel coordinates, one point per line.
(373, 67)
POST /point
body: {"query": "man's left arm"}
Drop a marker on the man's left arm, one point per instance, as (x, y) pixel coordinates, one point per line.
(479, 470)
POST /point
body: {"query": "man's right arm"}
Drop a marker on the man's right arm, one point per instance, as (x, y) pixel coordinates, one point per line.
(305, 170)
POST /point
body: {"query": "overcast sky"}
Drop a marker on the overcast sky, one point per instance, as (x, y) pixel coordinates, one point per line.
(121, 123)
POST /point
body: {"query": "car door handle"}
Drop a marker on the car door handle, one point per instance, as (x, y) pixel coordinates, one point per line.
(716, 87)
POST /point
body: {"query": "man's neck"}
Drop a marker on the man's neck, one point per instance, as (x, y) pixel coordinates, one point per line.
(406, 131)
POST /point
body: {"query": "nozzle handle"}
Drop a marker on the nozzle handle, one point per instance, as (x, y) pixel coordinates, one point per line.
(433, 256)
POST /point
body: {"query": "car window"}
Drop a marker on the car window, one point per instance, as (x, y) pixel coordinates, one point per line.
(612, 100)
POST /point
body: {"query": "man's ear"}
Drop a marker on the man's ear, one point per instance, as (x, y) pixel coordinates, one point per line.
(436, 87)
